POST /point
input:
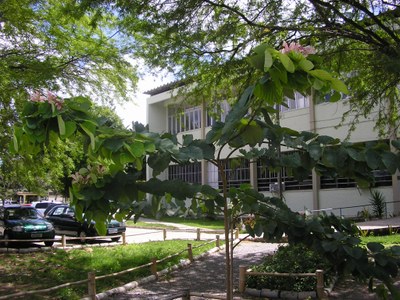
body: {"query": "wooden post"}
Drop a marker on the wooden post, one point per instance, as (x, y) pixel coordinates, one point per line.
(217, 244)
(186, 295)
(154, 266)
(164, 234)
(242, 278)
(64, 241)
(198, 234)
(320, 284)
(92, 285)
(190, 252)
(124, 238)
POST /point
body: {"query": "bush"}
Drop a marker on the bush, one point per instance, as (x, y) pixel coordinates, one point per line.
(291, 259)
(378, 204)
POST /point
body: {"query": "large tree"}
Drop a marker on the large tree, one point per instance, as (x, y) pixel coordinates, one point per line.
(207, 40)
(43, 48)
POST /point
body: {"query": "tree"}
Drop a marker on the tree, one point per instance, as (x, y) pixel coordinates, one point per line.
(43, 48)
(206, 41)
(108, 187)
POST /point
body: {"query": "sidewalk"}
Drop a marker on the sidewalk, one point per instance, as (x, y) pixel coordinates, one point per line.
(205, 276)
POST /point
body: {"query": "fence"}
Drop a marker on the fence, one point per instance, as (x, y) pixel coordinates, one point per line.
(319, 274)
(64, 239)
(91, 277)
(351, 211)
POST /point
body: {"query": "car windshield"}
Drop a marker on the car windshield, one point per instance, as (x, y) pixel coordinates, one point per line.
(21, 213)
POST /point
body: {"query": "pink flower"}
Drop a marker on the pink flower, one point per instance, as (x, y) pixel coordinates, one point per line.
(296, 47)
(49, 97)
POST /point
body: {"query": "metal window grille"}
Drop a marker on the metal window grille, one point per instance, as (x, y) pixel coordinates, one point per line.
(267, 178)
(189, 173)
(237, 172)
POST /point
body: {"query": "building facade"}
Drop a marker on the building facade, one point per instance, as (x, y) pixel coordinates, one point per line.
(341, 196)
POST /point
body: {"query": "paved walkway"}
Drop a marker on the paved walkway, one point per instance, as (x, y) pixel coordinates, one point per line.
(207, 275)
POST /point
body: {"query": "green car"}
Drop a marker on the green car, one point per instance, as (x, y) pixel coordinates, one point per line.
(18, 222)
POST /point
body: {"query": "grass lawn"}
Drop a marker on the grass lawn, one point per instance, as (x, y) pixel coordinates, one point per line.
(40, 270)
(197, 223)
(386, 240)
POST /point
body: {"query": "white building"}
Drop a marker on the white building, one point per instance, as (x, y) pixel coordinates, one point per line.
(340, 196)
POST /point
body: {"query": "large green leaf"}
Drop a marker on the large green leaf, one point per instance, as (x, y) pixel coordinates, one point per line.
(339, 86)
(268, 61)
(306, 65)
(89, 128)
(391, 161)
(321, 74)
(159, 162)
(61, 125)
(315, 150)
(286, 62)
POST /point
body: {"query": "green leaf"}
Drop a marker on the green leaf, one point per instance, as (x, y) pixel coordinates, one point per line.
(372, 159)
(339, 86)
(315, 151)
(391, 161)
(70, 128)
(286, 62)
(79, 103)
(101, 228)
(306, 65)
(396, 144)
(268, 61)
(321, 74)
(89, 128)
(375, 247)
(61, 125)
(137, 149)
(257, 59)
(354, 154)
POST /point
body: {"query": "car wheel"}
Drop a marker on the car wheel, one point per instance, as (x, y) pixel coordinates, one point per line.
(49, 243)
(83, 236)
(116, 239)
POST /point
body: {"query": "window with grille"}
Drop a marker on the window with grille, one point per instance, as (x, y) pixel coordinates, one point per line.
(267, 179)
(221, 113)
(180, 120)
(189, 173)
(299, 101)
(382, 178)
(237, 172)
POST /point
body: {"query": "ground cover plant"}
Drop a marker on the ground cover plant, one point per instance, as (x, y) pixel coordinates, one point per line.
(291, 259)
(39, 270)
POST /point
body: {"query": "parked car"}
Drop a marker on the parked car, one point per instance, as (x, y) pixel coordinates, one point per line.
(21, 222)
(41, 206)
(65, 223)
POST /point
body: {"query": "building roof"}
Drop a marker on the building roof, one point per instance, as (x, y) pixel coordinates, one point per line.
(166, 87)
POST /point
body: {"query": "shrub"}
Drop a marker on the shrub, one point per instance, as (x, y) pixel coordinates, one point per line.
(378, 204)
(291, 259)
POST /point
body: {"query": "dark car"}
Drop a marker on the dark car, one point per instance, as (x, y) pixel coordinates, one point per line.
(65, 223)
(18, 222)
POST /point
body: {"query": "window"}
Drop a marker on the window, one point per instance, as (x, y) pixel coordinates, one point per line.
(299, 101)
(183, 120)
(336, 183)
(220, 114)
(382, 178)
(189, 173)
(237, 171)
(267, 179)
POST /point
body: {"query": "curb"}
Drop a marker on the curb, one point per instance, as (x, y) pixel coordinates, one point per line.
(152, 278)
